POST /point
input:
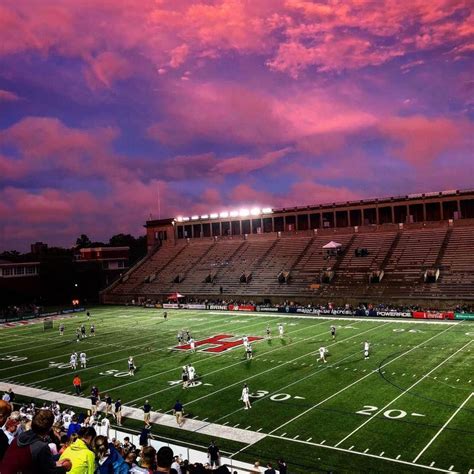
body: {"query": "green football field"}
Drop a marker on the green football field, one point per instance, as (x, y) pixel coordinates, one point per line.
(408, 408)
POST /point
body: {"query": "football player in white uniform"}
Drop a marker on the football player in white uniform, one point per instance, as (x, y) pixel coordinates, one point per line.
(281, 330)
(322, 354)
(73, 361)
(366, 349)
(246, 397)
(83, 359)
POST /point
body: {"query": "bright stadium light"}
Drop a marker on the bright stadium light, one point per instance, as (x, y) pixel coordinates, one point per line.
(179, 219)
(224, 214)
(214, 215)
(194, 218)
(267, 210)
(234, 213)
(185, 219)
(204, 216)
(255, 211)
(244, 212)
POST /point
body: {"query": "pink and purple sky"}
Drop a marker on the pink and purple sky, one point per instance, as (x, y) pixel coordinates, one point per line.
(222, 104)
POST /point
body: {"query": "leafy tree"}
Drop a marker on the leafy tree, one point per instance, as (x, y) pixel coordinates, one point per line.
(83, 241)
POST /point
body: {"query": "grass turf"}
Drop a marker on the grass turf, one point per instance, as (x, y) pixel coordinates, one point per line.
(348, 415)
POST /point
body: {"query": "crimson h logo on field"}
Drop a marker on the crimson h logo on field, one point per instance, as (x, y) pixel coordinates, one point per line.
(219, 343)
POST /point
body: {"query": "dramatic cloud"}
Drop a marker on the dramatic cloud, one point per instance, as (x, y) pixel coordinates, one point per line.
(115, 111)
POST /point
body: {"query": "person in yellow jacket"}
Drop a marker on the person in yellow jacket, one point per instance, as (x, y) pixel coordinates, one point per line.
(80, 454)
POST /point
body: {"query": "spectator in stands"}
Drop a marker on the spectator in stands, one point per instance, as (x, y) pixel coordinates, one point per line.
(74, 426)
(5, 411)
(282, 466)
(82, 458)
(109, 459)
(10, 429)
(127, 446)
(164, 459)
(176, 465)
(147, 461)
(269, 469)
(256, 468)
(30, 453)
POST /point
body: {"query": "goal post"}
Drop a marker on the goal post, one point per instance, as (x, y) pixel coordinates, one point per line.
(47, 325)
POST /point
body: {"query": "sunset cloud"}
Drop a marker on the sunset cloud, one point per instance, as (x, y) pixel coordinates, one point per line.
(108, 107)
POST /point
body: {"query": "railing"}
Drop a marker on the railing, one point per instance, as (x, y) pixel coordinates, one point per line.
(194, 454)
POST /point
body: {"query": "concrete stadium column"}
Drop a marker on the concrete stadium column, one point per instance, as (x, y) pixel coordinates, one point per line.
(441, 213)
(458, 202)
(363, 216)
(273, 224)
(424, 212)
(334, 222)
(349, 218)
(393, 214)
(377, 216)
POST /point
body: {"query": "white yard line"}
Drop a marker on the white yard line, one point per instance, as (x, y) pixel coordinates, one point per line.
(177, 354)
(96, 346)
(359, 453)
(359, 380)
(223, 368)
(240, 382)
(403, 393)
(279, 390)
(443, 427)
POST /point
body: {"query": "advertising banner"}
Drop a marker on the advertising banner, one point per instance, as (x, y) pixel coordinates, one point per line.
(171, 306)
(464, 316)
(394, 314)
(241, 307)
(287, 309)
(266, 309)
(219, 307)
(193, 306)
(433, 315)
(326, 312)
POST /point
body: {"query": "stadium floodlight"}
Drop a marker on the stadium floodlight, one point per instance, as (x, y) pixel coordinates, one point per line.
(224, 214)
(255, 211)
(204, 216)
(179, 219)
(214, 215)
(185, 219)
(194, 218)
(234, 213)
(267, 210)
(244, 212)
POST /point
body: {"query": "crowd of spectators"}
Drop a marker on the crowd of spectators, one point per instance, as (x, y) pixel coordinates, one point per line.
(19, 311)
(52, 440)
(360, 309)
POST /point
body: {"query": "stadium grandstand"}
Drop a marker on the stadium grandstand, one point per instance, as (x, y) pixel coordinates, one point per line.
(416, 248)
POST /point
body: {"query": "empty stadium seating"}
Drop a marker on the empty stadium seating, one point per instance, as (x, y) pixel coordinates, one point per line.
(205, 266)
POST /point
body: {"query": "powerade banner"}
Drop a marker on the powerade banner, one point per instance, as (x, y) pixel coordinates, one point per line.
(241, 307)
(464, 315)
(219, 307)
(394, 314)
(433, 315)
